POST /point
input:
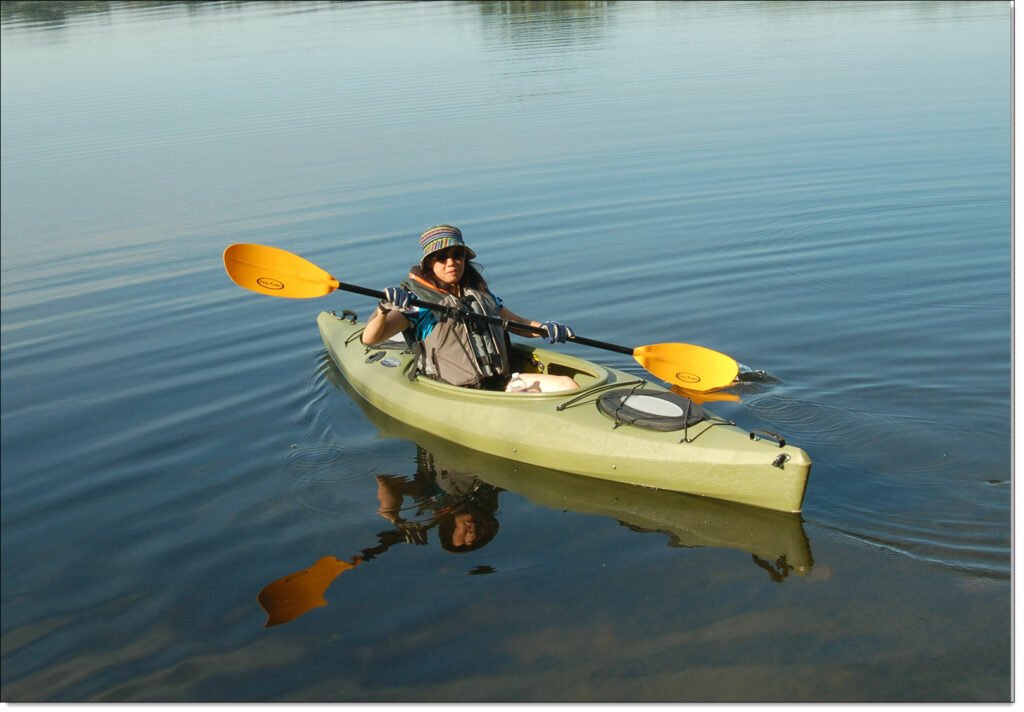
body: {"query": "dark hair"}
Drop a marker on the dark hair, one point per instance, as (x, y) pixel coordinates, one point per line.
(471, 276)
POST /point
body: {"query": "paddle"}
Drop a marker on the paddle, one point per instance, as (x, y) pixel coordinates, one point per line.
(279, 273)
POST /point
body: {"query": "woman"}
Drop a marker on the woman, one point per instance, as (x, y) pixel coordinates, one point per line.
(451, 348)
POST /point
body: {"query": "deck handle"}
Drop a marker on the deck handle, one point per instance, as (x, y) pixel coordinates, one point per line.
(761, 434)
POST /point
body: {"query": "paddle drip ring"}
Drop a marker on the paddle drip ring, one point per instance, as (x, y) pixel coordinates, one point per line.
(647, 408)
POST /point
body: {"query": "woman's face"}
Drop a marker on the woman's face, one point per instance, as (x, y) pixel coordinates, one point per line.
(465, 530)
(449, 265)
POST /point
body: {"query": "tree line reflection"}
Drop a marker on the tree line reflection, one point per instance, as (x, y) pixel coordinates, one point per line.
(58, 13)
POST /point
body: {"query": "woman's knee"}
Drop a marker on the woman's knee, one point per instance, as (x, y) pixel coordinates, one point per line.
(543, 383)
(563, 383)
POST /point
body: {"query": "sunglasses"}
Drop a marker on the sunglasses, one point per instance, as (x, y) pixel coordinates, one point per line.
(456, 253)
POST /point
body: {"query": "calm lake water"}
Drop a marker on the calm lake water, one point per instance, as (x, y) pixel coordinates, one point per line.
(821, 190)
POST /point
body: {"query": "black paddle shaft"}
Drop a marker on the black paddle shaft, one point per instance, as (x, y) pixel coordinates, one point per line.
(489, 319)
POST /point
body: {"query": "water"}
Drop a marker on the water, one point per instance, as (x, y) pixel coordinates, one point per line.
(821, 190)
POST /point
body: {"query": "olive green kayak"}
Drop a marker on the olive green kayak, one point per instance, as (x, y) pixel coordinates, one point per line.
(616, 427)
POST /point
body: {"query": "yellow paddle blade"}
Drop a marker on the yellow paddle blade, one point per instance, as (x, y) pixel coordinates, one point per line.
(694, 368)
(290, 596)
(276, 272)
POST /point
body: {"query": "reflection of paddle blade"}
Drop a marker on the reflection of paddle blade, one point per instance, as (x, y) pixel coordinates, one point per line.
(700, 398)
(290, 596)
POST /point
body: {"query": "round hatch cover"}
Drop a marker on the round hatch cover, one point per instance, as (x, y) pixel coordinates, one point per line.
(655, 410)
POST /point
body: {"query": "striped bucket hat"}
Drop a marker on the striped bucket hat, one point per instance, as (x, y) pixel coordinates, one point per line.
(440, 237)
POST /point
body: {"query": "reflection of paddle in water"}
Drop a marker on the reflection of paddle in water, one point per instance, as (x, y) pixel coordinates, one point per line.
(459, 506)
(289, 597)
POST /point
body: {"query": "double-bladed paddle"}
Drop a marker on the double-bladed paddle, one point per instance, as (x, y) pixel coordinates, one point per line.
(279, 273)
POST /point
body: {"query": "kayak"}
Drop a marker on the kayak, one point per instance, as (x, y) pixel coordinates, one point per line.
(615, 427)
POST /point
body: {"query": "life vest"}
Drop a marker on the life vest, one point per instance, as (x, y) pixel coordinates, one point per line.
(459, 350)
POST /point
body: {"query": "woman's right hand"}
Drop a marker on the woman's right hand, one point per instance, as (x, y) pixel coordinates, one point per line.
(397, 298)
(557, 333)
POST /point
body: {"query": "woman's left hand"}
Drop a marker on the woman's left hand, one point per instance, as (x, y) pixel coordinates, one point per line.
(557, 333)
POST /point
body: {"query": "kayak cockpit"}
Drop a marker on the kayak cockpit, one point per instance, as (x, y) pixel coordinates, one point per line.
(523, 359)
(529, 359)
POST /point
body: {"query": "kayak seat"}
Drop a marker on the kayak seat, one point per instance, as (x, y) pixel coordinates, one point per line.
(650, 409)
(395, 343)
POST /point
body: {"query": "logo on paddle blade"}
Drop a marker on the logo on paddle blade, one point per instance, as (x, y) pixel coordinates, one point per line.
(686, 377)
(269, 283)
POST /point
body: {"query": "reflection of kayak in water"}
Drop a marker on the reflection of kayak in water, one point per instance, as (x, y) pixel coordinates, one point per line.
(776, 540)
(615, 427)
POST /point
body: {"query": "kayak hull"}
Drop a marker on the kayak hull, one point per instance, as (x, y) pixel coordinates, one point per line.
(566, 431)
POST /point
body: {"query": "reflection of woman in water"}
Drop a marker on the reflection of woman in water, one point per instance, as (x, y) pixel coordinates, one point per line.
(461, 506)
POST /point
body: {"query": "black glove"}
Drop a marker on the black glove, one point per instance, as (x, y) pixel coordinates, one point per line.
(414, 532)
(557, 333)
